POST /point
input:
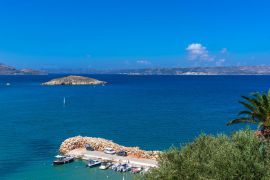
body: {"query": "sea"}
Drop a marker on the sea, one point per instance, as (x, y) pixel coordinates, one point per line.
(151, 112)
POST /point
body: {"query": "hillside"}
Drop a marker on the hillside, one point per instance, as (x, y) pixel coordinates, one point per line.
(9, 70)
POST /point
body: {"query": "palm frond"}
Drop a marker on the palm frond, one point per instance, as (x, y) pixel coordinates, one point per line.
(248, 106)
(265, 100)
(256, 95)
(262, 111)
(258, 116)
(245, 113)
(254, 101)
(241, 120)
(257, 109)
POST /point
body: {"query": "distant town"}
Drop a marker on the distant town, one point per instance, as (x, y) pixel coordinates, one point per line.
(226, 70)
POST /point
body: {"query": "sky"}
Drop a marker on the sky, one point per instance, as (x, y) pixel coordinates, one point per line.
(114, 34)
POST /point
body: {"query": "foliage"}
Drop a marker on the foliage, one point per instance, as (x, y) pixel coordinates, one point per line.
(239, 156)
(257, 110)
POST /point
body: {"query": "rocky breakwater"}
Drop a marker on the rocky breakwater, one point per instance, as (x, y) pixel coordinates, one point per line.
(99, 144)
(74, 80)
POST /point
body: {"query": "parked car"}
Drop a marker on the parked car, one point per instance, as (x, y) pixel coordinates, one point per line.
(88, 147)
(109, 151)
(121, 153)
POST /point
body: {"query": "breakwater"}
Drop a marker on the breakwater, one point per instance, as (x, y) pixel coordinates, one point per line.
(99, 144)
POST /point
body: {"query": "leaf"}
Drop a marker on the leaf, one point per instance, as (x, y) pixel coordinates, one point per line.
(265, 100)
(251, 100)
(248, 106)
(245, 112)
(241, 120)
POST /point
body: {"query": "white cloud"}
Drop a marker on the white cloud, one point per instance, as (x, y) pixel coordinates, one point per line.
(197, 51)
(220, 62)
(143, 62)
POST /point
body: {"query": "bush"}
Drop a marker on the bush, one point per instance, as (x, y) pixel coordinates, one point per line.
(239, 156)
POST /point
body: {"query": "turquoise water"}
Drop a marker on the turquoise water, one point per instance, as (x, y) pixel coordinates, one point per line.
(152, 112)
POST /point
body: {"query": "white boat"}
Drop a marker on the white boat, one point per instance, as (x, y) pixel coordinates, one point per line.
(7, 84)
(93, 163)
(123, 168)
(105, 165)
(109, 151)
(62, 160)
(115, 166)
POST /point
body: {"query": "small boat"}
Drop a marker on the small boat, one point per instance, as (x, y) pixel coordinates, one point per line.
(93, 163)
(126, 168)
(122, 168)
(136, 170)
(7, 84)
(115, 166)
(62, 160)
(109, 151)
(105, 165)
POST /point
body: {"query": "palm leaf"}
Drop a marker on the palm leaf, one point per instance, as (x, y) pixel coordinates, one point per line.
(265, 101)
(256, 95)
(257, 109)
(241, 120)
(248, 106)
(254, 102)
(245, 113)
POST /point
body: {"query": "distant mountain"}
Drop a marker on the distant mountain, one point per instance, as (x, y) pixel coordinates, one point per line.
(233, 70)
(9, 70)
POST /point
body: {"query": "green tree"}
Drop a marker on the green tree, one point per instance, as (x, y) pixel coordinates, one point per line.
(257, 110)
(221, 157)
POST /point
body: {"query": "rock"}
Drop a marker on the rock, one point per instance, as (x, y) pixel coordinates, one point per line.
(99, 144)
(74, 80)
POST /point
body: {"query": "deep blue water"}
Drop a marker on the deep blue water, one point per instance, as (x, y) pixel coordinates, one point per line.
(152, 112)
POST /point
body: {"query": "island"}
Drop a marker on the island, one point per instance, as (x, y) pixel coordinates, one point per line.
(74, 80)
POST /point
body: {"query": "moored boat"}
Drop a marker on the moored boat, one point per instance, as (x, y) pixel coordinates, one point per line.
(135, 170)
(62, 160)
(105, 165)
(93, 163)
(115, 166)
(121, 167)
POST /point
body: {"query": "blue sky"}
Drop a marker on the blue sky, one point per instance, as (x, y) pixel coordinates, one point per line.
(134, 34)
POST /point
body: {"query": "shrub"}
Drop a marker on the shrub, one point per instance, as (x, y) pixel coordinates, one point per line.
(239, 156)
